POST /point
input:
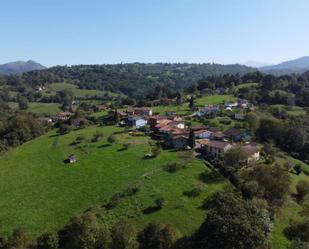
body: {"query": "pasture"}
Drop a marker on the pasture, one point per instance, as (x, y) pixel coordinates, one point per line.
(40, 192)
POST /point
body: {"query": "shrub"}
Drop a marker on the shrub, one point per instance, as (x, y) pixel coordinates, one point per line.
(160, 201)
(155, 151)
(302, 189)
(298, 169)
(196, 191)
(112, 139)
(173, 167)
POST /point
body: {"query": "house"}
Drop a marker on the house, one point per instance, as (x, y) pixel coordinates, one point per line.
(180, 142)
(136, 121)
(140, 111)
(158, 120)
(72, 159)
(236, 134)
(207, 110)
(64, 115)
(230, 104)
(45, 120)
(200, 134)
(239, 116)
(216, 149)
(101, 107)
(252, 152)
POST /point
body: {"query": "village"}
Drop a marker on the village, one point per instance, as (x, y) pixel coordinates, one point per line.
(173, 131)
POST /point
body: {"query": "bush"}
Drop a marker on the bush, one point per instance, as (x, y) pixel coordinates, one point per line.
(97, 136)
(173, 167)
(155, 151)
(196, 191)
(302, 189)
(160, 201)
(298, 169)
(112, 139)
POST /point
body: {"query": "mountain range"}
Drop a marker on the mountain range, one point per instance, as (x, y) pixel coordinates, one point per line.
(18, 67)
(299, 65)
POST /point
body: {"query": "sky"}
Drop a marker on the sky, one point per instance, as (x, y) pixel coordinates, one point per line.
(67, 32)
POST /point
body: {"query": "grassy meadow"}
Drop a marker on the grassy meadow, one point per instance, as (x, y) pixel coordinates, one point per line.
(41, 193)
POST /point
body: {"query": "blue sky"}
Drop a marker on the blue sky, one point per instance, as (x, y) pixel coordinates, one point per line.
(58, 32)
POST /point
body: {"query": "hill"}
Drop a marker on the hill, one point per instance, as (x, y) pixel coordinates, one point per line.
(47, 192)
(133, 79)
(18, 67)
(299, 65)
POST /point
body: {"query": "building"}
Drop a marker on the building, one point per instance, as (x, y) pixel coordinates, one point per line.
(208, 110)
(236, 134)
(180, 142)
(252, 152)
(214, 149)
(72, 159)
(136, 121)
(200, 134)
(140, 111)
(239, 116)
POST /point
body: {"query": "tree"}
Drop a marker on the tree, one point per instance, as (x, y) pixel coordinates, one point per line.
(64, 129)
(23, 103)
(179, 98)
(254, 121)
(124, 236)
(160, 201)
(234, 156)
(158, 236)
(84, 232)
(298, 169)
(116, 116)
(302, 189)
(48, 241)
(298, 230)
(233, 223)
(297, 244)
(112, 139)
(192, 139)
(191, 102)
(19, 240)
(155, 151)
(273, 182)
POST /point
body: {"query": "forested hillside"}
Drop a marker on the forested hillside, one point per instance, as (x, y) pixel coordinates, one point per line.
(131, 79)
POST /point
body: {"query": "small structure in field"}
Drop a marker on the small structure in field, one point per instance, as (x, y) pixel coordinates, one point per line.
(72, 159)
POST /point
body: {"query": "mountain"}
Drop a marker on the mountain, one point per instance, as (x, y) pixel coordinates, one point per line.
(18, 67)
(255, 64)
(299, 65)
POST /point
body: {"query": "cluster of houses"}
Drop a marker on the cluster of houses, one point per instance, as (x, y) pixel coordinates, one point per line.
(172, 131)
(241, 105)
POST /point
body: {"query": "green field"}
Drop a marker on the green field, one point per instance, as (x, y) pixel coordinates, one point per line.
(200, 102)
(214, 99)
(44, 108)
(245, 86)
(292, 110)
(40, 192)
(78, 93)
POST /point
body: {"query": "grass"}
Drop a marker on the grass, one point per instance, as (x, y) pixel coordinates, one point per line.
(200, 102)
(245, 85)
(40, 192)
(292, 110)
(290, 209)
(46, 108)
(214, 99)
(78, 93)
